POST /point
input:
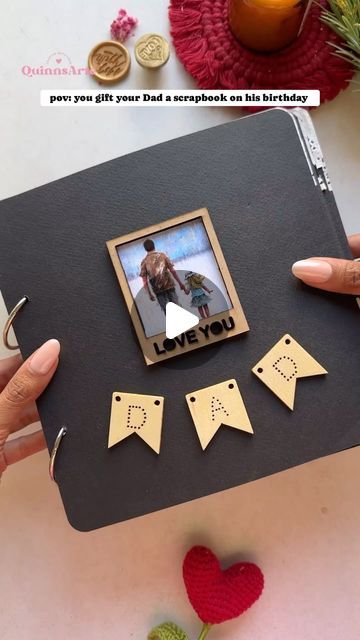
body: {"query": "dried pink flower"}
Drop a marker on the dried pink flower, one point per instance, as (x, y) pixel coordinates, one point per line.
(123, 26)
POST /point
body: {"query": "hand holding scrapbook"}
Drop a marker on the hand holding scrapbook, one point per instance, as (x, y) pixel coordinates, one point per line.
(211, 222)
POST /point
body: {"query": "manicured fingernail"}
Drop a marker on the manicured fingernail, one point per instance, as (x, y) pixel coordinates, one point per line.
(312, 271)
(45, 357)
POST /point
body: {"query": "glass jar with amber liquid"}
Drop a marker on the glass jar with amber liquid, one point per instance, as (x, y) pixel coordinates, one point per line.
(267, 25)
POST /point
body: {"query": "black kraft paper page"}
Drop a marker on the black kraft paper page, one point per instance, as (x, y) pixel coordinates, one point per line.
(254, 179)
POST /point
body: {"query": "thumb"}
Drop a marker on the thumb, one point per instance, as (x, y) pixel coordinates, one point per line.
(28, 383)
(330, 274)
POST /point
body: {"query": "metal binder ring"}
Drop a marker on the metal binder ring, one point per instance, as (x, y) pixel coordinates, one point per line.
(54, 451)
(9, 322)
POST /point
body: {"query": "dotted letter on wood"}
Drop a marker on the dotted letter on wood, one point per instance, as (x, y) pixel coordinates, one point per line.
(133, 413)
(213, 406)
(282, 365)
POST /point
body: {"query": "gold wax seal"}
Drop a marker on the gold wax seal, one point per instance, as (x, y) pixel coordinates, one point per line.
(109, 61)
(152, 51)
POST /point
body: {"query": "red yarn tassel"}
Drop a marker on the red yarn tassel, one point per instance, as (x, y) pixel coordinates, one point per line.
(211, 54)
(187, 31)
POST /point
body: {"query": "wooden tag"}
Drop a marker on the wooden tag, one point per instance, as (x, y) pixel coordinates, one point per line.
(283, 365)
(133, 413)
(216, 405)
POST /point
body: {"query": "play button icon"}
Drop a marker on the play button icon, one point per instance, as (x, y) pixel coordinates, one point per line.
(178, 320)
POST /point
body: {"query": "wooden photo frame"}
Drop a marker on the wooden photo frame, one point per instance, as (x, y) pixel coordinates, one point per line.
(192, 238)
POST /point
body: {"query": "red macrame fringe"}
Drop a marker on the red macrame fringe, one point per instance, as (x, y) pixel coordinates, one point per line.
(212, 55)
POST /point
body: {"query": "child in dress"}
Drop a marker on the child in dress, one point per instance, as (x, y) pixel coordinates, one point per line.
(199, 299)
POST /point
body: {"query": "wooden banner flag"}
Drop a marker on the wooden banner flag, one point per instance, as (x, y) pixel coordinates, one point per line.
(283, 365)
(216, 405)
(133, 413)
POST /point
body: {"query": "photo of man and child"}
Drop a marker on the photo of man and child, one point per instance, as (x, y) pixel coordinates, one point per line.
(175, 265)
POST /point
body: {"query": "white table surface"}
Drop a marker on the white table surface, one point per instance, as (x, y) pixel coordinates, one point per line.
(302, 526)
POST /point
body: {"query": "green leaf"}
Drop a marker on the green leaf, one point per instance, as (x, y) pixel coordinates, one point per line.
(167, 631)
(343, 18)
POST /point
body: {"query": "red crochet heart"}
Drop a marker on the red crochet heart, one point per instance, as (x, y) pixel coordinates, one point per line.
(218, 595)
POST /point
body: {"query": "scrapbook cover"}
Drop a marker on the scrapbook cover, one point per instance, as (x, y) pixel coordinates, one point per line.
(211, 223)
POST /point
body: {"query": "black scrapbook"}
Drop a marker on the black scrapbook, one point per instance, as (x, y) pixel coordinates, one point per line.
(270, 204)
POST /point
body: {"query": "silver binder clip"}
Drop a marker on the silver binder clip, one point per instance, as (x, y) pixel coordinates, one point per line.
(358, 297)
(13, 313)
(54, 451)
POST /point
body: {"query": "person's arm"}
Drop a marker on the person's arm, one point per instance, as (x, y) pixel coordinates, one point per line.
(332, 274)
(206, 289)
(147, 288)
(20, 385)
(173, 272)
(144, 277)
